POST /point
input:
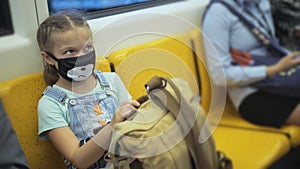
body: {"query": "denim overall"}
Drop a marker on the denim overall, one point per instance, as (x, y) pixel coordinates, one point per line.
(88, 113)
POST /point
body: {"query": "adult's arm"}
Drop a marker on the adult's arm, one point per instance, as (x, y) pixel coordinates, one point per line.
(12, 155)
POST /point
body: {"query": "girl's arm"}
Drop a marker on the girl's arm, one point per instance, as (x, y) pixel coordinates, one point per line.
(67, 143)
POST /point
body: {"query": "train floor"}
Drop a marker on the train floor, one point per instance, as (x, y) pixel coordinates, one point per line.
(289, 161)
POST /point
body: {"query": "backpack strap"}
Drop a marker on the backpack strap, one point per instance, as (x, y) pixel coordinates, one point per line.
(174, 107)
(55, 94)
(270, 43)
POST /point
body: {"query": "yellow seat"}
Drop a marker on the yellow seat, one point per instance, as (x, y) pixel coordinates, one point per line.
(230, 115)
(102, 64)
(167, 56)
(232, 118)
(250, 149)
(20, 99)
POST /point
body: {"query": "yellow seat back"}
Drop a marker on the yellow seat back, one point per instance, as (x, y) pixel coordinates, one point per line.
(20, 99)
(167, 56)
(102, 64)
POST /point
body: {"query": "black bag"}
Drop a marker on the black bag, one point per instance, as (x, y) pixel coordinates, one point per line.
(284, 83)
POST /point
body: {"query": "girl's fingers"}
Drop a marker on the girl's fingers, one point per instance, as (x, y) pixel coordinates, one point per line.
(135, 103)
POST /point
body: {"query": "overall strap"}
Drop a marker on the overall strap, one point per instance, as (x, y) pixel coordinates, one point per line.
(60, 96)
(55, 94)
(103, 82)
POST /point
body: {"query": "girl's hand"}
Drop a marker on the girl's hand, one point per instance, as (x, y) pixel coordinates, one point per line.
(124, 111)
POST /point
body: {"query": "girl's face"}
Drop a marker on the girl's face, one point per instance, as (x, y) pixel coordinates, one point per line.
(72, 43)
(68, 45)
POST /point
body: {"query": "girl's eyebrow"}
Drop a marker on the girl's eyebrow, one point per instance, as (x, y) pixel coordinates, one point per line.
(89, 41)
(65, 48)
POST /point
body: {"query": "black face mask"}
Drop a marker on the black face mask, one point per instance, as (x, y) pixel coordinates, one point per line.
(75, 68)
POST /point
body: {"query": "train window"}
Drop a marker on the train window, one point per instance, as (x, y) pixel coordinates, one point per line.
(6, 27)
(100, 8)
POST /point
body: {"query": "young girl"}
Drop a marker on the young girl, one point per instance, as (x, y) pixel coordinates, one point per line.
(78, 99)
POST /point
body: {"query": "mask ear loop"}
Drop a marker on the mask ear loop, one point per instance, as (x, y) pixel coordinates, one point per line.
(51, 55)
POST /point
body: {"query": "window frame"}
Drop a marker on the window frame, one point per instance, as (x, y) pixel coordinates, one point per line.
(6, 25)
(93, 14)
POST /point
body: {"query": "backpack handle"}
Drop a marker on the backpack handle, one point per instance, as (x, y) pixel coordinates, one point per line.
(157, 82)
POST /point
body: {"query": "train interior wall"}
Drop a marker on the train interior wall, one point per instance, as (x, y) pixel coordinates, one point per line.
(19, 52)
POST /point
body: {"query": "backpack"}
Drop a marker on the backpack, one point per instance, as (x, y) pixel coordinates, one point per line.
(168, 131)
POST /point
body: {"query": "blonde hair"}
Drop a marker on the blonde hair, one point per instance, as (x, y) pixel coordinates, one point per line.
(59, 22)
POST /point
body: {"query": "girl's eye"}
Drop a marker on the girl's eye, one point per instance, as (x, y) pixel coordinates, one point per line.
(89, 47)
(69, 52)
